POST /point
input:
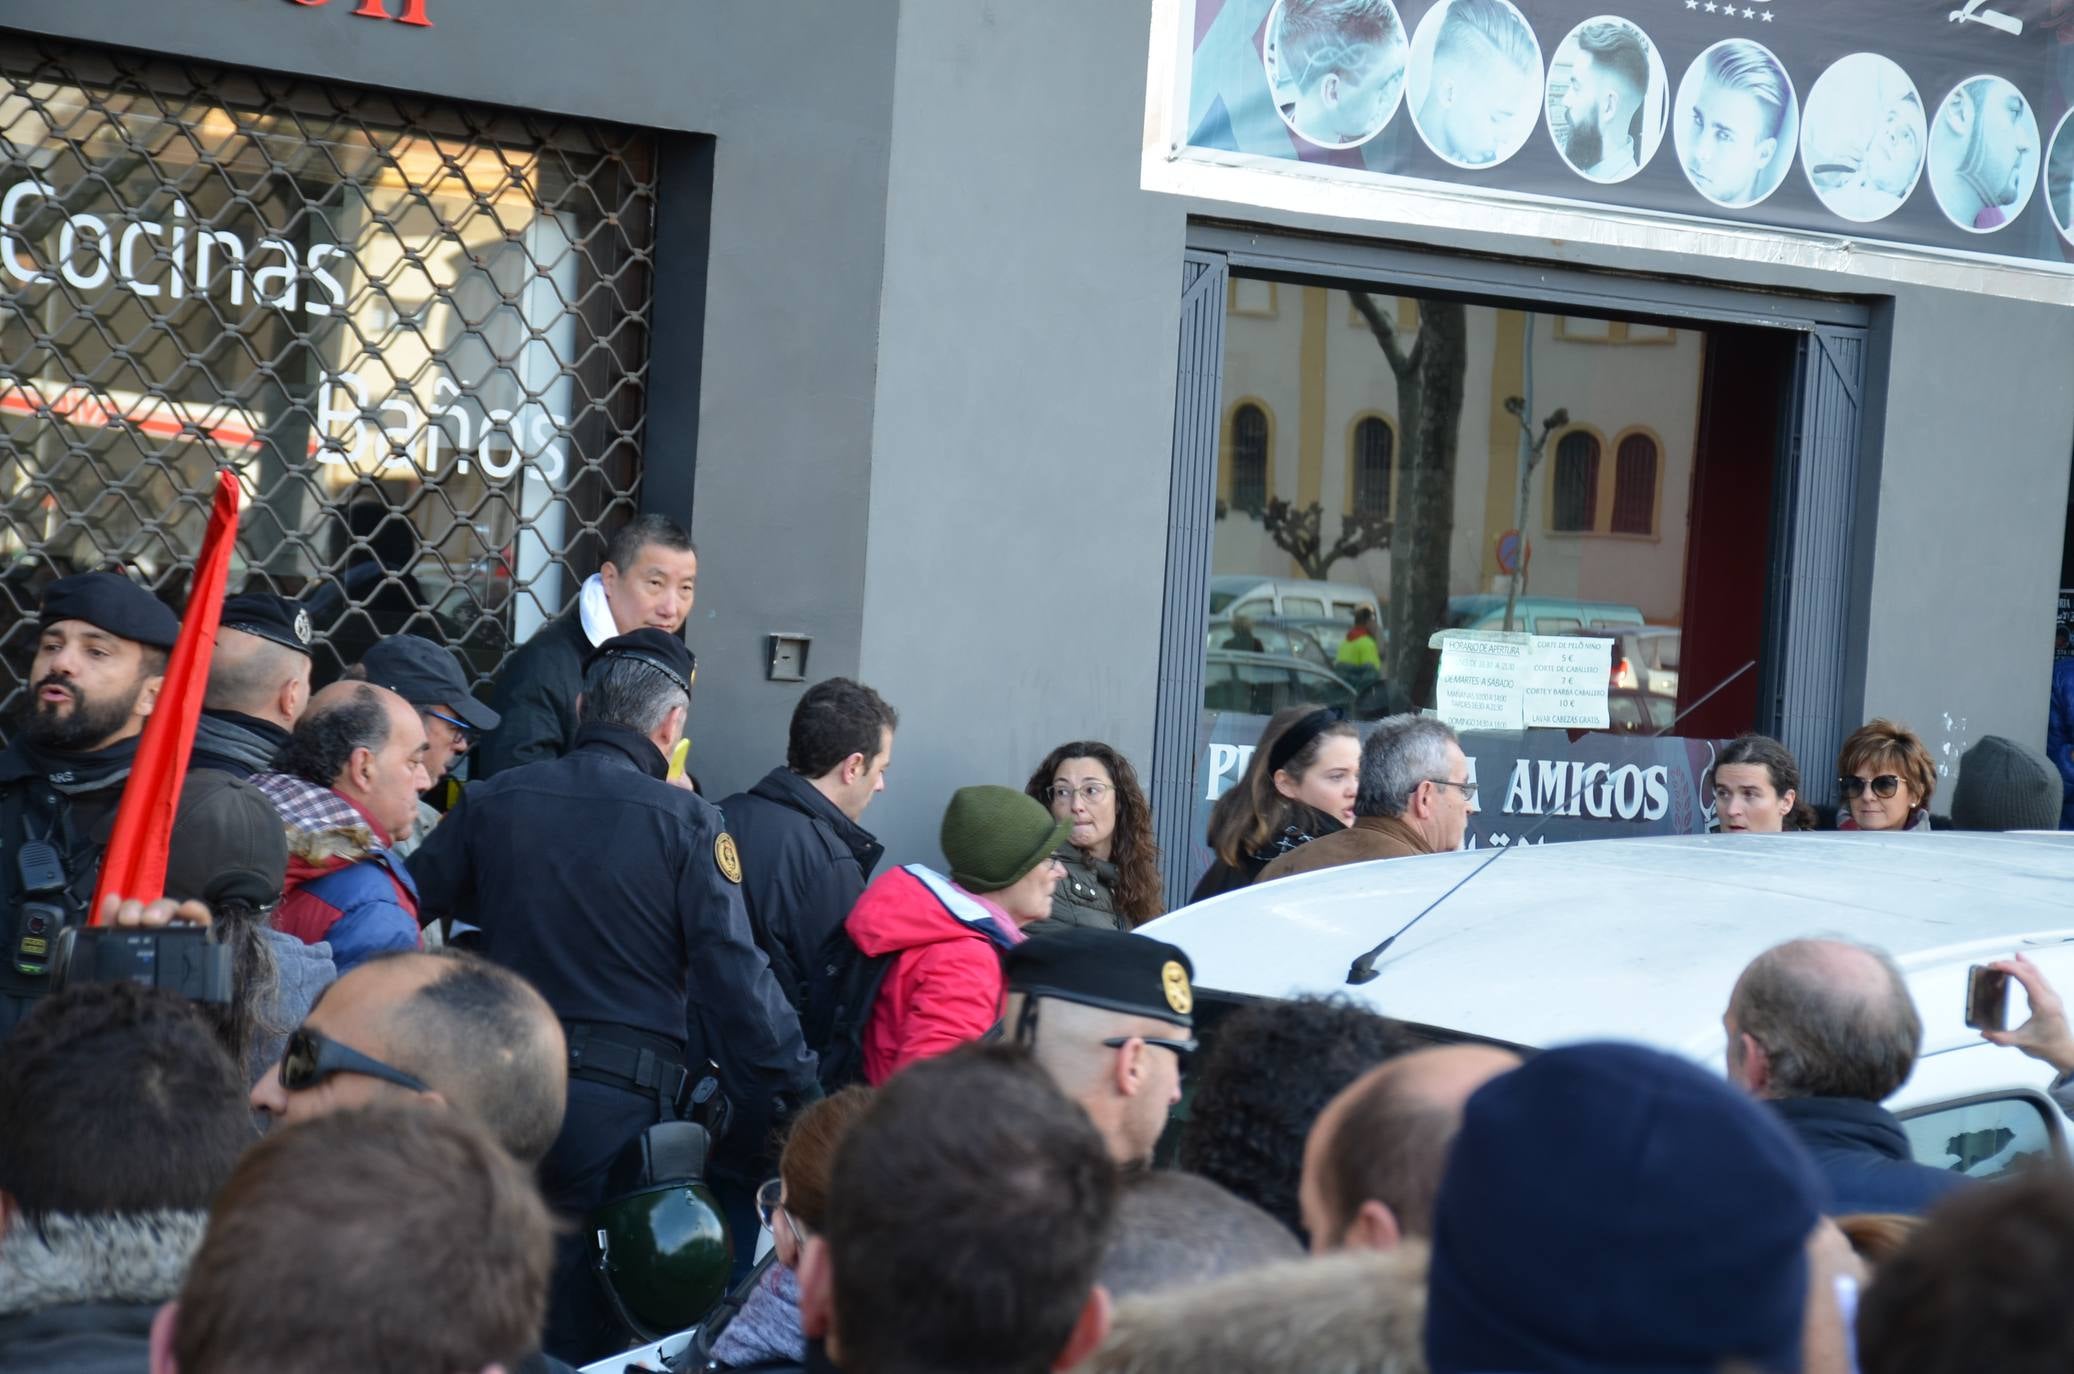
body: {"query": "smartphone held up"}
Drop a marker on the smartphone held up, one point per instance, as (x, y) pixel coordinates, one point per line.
(1987, 998)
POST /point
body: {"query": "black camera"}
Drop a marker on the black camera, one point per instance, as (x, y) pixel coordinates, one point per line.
(188, 960)
(43, 911)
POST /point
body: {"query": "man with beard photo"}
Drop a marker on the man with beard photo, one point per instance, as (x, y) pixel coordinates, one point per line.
(1984, 154)
(101, 650)
(1609, 76)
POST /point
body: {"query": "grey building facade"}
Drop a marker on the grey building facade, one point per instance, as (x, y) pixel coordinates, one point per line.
(910, 371)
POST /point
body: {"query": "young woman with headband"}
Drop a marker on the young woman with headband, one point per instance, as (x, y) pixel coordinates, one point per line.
(1299, 785)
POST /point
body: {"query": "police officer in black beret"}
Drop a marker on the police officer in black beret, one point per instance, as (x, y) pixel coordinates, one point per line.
(101, 653)
(1111, 1017)
(259, 683)
(618, 895)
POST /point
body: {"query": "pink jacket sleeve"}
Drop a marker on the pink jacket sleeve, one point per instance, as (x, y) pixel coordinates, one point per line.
(953, 996)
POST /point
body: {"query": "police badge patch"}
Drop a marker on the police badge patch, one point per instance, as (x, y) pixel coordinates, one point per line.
(303, 629)
(727, 858)
(1180, 996)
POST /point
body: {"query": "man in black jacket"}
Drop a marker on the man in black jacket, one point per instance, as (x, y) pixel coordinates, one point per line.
(259, 683)
(1824, 1031)
(805, 859)
(100, 661)
(647, 581)
(618, 896)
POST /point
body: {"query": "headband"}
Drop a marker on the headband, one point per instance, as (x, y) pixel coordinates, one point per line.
(1299, 736)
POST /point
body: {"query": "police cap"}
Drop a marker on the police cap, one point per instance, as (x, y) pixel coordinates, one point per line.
(111, 602)
(659, 649)
(1133, 974)
(269, 617)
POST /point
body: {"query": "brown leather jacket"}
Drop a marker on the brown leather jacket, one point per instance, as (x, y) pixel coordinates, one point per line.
(1369, 837)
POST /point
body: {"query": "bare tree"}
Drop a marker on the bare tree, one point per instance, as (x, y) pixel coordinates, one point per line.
(1299, 532)
(1430, 373)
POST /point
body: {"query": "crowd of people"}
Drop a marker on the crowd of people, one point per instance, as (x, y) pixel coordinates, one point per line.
(462, 1023)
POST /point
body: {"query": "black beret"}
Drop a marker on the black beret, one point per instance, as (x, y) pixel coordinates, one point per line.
(269, 617)
(1133, 974)
(659, 649)
(109, 601)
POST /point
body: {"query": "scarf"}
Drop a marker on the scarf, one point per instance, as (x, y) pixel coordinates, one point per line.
(596, 611)
(71, 772)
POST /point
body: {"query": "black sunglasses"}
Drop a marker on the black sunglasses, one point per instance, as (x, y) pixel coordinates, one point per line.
(310, 1058)
(1183, 1049)
(1883, 786)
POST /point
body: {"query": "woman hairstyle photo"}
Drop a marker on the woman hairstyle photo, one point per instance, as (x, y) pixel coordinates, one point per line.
(1132, 846)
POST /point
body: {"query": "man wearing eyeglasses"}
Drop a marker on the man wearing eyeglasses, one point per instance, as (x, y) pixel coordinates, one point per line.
(1414, 797)
(429, 677)
(1111, 1017)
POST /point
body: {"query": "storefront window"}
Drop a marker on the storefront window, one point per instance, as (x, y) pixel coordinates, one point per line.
(1392, 479)
(417, 333)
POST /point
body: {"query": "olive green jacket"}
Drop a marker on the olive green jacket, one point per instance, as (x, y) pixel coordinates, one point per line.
(1086, 896)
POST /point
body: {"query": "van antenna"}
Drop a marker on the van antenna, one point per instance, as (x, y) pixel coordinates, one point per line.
(1363, 970)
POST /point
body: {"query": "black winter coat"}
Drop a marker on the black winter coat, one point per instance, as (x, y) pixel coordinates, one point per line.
(536, 694)
(804, 865)
(609, 890)
(1862, 1152)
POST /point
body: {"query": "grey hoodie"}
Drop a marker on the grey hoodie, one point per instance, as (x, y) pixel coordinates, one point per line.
(303, 972)
(77, 1293)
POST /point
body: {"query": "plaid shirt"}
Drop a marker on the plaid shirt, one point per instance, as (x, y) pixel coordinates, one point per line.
(305, 806)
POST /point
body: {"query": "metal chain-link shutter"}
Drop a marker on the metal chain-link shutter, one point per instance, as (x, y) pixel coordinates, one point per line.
(417, 331)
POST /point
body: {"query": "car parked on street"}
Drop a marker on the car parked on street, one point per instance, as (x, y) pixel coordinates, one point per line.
(1250, 594)
(1643, 939)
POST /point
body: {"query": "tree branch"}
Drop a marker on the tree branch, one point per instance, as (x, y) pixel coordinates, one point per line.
(1386, 334)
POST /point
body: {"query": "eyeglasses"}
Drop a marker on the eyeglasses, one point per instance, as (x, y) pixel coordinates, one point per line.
(311, 1057)
(1183, 1049)
(461, 727)
(1883, 786)
(1468, 789)
(1090, 792)
(770, 1200)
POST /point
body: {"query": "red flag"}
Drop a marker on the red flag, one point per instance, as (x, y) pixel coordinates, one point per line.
(135, 864)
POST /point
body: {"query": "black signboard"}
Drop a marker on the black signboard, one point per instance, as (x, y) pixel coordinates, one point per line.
(1932, 126)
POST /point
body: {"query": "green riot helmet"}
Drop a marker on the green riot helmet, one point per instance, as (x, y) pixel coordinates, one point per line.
(660, 1245)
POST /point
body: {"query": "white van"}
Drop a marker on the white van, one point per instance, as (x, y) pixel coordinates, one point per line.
(1642, 940)
(1292, 598)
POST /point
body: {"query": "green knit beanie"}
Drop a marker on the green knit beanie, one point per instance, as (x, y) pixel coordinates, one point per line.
(994, 835)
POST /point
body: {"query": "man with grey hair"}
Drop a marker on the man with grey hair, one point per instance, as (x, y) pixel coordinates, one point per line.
(616, 894)
(1825, 1031)
(1414, 798)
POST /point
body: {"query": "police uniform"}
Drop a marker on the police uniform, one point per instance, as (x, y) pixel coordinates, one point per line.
(618, 896)
(57, 807)
(1132, 974)
(231, 741)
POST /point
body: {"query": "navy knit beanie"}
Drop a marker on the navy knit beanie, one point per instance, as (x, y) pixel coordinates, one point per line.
(1613, 1208)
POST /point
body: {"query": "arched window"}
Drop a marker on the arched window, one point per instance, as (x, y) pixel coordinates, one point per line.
(1576, 482)
(1634, 486)
(1249, 458)
(1375, 448)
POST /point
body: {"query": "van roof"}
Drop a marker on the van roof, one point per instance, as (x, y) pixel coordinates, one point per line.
(1640, 939)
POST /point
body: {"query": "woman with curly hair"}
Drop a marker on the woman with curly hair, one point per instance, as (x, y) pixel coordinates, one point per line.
(1111, 858)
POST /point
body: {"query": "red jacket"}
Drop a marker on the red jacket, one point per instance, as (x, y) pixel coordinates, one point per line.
(944, 987)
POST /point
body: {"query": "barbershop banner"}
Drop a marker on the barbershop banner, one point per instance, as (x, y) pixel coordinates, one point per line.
(1939, 126)
(1599, 786)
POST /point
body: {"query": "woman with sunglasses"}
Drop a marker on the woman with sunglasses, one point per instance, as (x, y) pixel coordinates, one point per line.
(764, 1326)
(1299, 785)
(1110, 856)
(1885, 777)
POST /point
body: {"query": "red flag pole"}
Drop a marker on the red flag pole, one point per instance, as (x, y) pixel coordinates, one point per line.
(135, 865)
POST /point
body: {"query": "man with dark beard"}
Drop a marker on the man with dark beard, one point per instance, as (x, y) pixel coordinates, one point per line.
(100, 661)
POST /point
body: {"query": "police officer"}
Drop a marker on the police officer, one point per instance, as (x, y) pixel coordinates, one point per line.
(618, 895)
(101, 654)
(259, 683)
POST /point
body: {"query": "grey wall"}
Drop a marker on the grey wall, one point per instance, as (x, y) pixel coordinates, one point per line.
(799, 100)
(1025, 403)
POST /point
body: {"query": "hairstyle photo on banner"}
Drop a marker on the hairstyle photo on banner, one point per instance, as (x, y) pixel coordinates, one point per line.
(1335, 68)
(1864, 137)
(1608, 95)
(1475, 85)
(1983, 154)
(1738, 122)
(2059, 177)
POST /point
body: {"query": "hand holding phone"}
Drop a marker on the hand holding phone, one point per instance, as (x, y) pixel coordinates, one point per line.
(1987, 998)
